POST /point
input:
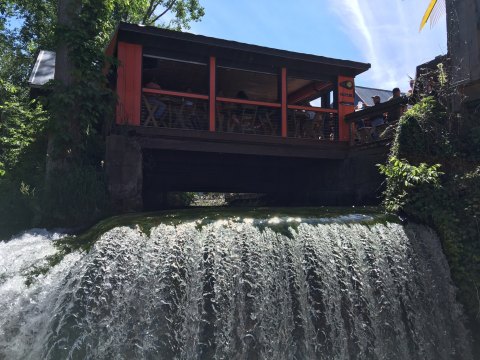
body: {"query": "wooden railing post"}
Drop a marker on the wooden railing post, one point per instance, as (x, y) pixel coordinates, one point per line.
(284, 102)
(212, 93)
(346, 105)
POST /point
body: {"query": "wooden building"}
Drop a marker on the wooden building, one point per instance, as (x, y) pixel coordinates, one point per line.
(168, 79)
(196, 113)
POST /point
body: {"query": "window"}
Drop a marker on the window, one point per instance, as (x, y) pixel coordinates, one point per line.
(176, 75)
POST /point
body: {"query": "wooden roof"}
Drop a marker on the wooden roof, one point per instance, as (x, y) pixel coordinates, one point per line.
(232, 53)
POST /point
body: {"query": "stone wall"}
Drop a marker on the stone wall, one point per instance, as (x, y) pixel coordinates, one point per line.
(139, 179)
(124, 167)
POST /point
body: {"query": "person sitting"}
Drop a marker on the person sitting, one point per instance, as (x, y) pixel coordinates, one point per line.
(329, 126)
(317, 126)
(159, 105)
(308, 125)
(303, 120)
(153, 85)
(235, 124)
(242, 95)
(359, 124)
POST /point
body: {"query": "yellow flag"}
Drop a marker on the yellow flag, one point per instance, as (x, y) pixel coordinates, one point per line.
(427, 13)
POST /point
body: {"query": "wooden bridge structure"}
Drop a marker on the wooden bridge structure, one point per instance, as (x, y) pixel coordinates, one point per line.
(197, 113)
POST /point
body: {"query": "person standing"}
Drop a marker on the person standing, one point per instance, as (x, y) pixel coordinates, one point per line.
(394, 115)
(395, 94)
(376, 120)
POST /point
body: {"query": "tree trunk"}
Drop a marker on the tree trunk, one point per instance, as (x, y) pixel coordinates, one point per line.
(64, 119)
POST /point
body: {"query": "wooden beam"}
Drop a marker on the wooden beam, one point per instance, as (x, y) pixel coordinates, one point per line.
(248, 102)
(379, 109)
(312, 108)
(212, 93)
(284, 101)
(175, 93)
(308, 91)
(205, 141)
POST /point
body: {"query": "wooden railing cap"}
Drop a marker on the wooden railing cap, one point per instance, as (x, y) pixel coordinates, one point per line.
(377, 109)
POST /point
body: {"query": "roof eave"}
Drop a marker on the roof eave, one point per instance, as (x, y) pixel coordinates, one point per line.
(356, 67)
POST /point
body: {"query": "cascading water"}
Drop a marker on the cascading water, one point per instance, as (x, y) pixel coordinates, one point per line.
(235, 289)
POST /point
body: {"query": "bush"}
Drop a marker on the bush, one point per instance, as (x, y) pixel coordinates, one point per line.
(22, 159)
(407, 183)
(78, 197)
(424, 130)
(448, 201)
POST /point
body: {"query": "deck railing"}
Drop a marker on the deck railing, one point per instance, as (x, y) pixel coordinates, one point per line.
(363, 127)
(182, 110)
(312, 123)
(248, 116)
(171, 109)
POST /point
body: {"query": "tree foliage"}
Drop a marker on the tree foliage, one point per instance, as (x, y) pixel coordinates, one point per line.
(17, 131)
(22, 157)
(29, 25)
(406, 182)
(74, 114)
(172, 14)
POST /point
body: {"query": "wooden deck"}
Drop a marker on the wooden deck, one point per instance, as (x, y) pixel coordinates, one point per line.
(231, 143)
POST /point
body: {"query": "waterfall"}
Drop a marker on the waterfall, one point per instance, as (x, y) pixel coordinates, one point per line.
(235, 288)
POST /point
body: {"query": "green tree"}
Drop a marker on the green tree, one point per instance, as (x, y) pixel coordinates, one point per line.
(78, 102)
(29, 25)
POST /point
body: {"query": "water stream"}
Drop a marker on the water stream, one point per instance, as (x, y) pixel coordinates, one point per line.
(235, 288)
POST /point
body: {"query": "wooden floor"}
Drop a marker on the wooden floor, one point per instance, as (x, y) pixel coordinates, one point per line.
(229, 143)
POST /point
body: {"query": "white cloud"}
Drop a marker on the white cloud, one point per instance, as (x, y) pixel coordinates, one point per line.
(386, 34)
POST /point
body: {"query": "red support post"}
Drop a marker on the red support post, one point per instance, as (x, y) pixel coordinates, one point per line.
(212, 93)
(129, 84)
(346, 105)
(284, 102)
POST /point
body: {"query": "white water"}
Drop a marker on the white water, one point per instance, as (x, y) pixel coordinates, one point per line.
(234, 290)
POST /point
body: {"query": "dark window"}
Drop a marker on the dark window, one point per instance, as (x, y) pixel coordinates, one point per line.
(176, 75)
(235, 83)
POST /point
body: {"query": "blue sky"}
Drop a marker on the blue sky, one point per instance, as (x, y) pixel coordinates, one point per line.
(381, 32)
